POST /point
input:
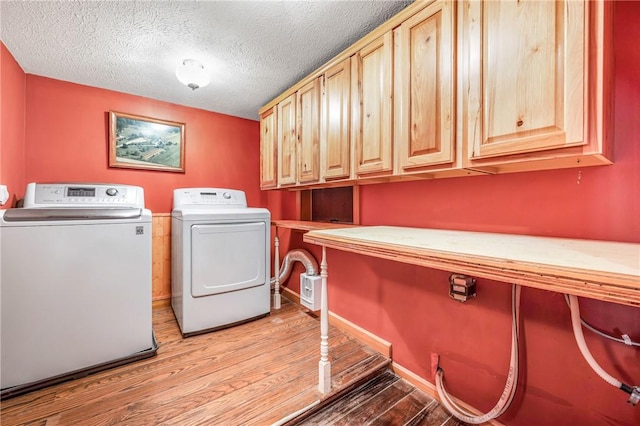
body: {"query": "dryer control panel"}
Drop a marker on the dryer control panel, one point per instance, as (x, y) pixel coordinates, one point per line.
(209, 198)
(83, 195)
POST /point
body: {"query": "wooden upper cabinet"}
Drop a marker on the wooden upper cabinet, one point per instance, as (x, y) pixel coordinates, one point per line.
(371, 85)
(268, 149)
(334, 144)
(424, 102)
(308, 122)
(453, 88)
(286, 136)
(526, 63)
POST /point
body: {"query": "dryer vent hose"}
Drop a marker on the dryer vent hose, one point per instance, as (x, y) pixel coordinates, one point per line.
(300, 255)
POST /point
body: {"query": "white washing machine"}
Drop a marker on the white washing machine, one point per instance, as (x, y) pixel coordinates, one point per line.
(220, 259)
(75, 283)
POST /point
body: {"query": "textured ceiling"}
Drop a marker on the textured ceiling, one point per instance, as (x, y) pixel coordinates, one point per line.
(252, 50)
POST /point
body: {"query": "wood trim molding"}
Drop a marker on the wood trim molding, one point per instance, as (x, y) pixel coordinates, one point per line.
(374, 342)
(356, 204)
(161, 303)
(291, 295)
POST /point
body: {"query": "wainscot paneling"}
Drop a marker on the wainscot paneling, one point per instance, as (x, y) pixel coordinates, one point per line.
(161, 258)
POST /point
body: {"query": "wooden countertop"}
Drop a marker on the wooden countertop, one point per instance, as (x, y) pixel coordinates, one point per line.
(601, 270)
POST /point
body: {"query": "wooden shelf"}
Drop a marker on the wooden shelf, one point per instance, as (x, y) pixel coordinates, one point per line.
(602, 270)
(302, 225)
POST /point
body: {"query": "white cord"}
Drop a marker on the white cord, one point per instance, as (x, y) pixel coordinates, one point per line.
(577, 331)
(512, 379)
(625, 340)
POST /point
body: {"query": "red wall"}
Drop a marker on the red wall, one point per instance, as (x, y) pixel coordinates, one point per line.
(409, 305)
(67, 140)
(12, 125)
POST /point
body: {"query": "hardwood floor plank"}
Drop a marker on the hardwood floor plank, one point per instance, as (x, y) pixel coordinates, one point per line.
(370, 409)
(255, 373)
(431, 416)
(172, 350)
(287, 406)
(272, 388)
(340, 408)
(169, 359)
(245, 415)
(405, 409)
(384, 400)
(348, 369)
(142, 376)
(193, 384)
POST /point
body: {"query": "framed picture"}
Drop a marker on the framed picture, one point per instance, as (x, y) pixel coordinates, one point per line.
(137, 142)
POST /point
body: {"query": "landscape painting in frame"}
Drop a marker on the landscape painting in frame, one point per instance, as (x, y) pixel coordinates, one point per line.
(137, 142)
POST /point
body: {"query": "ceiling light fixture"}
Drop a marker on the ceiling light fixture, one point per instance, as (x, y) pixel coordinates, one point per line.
(191, 73)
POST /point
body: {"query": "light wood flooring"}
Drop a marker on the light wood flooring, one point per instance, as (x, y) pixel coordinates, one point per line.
(252, 374)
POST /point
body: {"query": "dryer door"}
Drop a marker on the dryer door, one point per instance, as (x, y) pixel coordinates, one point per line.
(227, 257)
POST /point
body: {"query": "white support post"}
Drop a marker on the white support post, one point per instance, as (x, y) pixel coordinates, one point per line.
(324, 364)
(276, 271)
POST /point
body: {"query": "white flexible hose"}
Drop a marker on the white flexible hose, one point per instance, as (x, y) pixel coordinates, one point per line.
(625, 338)
(301, 255)
(512, 379)
(577, 331)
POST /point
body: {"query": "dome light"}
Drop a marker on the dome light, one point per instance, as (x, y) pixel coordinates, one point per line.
(191, 73)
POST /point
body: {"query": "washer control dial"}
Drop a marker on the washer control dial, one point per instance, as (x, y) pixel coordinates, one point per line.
(112, 192)
(226, 195)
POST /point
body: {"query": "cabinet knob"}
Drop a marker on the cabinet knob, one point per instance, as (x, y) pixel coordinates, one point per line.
(520, 123)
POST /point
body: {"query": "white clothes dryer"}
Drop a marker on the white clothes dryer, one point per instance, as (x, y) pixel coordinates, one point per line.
(220, 259)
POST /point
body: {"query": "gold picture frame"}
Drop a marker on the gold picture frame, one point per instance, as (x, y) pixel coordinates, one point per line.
(137, 142)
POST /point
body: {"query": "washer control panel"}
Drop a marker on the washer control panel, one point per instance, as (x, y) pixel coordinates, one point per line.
(209, 198)
(82, 195)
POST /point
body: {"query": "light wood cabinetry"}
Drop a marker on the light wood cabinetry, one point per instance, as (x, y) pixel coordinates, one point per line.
(371, 85)
(526, 81)
(424, 101)
(335, 142)
(268, 149)
(450, 88)
(286, 136)
(308, 127)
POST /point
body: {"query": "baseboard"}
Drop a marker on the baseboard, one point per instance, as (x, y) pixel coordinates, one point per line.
(374, 342)
(430, 389)
(290, 294)
(160, 303)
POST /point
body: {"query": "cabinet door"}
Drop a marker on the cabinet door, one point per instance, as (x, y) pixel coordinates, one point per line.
(334, 145)
(309, 132)
(371, 128)
(424, 90)
(525, 85)
(286, 136)
(268, 149)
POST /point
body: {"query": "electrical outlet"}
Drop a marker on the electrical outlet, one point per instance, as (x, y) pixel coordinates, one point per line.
(462, 287)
